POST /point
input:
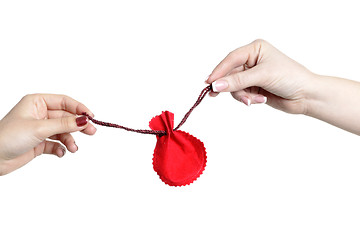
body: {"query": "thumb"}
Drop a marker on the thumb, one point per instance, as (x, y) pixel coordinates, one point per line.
(50, 127)
(238, 81)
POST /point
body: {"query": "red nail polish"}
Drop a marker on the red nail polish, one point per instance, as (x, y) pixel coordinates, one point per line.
(81, 121)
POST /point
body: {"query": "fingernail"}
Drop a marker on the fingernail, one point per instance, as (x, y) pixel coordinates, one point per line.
(77, 148)
(245, 100)
(207, 78)
(62, 152)
(260, 99)
(212, 94)
(81, 121)
(219, 85)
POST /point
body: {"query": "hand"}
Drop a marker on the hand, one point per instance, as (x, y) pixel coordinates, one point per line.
(259, 73)
(25, 130)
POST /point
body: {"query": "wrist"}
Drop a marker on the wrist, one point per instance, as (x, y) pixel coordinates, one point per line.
(335, 101)
(314, 94)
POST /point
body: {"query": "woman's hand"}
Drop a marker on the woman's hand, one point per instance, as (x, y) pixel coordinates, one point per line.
(25, 131)
(259, 73)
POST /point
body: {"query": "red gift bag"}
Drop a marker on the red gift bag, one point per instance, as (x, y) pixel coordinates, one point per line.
(179, 158)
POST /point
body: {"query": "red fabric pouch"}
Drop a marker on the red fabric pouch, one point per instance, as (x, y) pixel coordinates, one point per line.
(179, 158)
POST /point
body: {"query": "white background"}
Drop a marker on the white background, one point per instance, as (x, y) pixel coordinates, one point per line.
(270, 175)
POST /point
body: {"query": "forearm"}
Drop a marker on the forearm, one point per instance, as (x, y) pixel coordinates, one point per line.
(336, 101)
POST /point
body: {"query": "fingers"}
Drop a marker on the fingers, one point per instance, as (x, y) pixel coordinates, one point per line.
(247, 55)
(235, 70)
(213, 94)
(62, 102)
(49, 127)
(238, 69)
(58, 114)
(240, 80)
(66, 139)
(46, 147)
(89, 130)
(248, 98)
(54, 148)
(253, 95)
(49, 147)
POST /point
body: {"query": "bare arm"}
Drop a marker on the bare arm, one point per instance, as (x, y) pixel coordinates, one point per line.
(259, 73)
(336, 101)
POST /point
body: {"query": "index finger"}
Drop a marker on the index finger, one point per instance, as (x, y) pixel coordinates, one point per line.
(247, 54)
(65, 103)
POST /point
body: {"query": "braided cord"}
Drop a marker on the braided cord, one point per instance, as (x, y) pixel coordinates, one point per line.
(154, 132)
